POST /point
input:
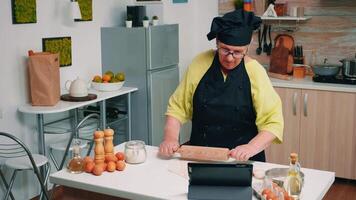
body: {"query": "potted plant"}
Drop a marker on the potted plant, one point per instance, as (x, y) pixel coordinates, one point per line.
(155, 20)
(145, 21)
(129, 21)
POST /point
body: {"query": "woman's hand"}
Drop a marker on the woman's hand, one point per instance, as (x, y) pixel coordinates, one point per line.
(168, 147)
(243, 152)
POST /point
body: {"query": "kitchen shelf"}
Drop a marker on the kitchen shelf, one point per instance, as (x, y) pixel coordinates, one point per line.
(284, 23)
(286, 18)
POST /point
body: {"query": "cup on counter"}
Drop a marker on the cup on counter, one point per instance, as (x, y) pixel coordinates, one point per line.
(293, 11)
(298, 72)
(135, 152)
(300, 12)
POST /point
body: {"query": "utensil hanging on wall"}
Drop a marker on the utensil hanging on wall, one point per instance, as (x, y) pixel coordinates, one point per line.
(269, 48)
(264, 35)
(259, 48)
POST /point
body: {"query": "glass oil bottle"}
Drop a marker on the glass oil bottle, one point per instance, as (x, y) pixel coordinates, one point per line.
(293, 183)
(76, 164)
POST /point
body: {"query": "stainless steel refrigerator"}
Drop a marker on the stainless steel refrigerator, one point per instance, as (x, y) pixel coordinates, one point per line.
(149, 58)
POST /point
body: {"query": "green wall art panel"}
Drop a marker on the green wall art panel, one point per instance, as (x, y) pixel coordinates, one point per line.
(23, 11)
(61, 45)
(86, 9)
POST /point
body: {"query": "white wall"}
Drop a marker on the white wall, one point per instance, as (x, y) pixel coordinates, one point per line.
(53, 20)
(194, 19)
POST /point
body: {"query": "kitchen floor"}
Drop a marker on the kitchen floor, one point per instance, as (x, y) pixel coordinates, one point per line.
(341, 189)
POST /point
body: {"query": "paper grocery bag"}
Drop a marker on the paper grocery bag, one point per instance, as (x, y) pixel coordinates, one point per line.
(44, 78)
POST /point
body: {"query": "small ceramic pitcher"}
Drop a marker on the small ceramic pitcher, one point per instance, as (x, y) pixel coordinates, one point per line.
(77, 88)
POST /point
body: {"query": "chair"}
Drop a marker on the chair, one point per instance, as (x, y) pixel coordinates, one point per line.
(79, 134)
(15, 155)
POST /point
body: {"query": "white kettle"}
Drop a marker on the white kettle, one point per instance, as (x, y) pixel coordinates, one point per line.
(77, 88)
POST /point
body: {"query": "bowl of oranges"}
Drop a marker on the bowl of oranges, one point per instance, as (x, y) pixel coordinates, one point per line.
(109, 81)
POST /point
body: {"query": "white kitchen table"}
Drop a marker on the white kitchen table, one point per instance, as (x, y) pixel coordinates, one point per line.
(166, 179)
(63, 106)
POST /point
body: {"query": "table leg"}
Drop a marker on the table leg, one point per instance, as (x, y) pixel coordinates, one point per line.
(103, 114)
(75, 122)
(41, 137)
(41, 142)
(129, 115)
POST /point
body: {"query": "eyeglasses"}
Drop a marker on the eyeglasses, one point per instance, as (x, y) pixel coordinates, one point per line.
(227, 52)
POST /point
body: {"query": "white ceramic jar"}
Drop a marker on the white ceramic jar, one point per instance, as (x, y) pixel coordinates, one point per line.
(135, 152)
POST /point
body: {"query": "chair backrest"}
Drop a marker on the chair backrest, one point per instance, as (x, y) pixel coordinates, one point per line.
(86, 127)
(12, 147)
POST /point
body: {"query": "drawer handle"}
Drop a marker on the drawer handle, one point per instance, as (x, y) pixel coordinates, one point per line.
(306, 104)
(295, 103)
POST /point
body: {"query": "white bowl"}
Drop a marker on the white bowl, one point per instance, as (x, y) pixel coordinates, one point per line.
(107, 87)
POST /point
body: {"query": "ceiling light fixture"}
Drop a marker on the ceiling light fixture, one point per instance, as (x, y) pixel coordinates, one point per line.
(76, 14)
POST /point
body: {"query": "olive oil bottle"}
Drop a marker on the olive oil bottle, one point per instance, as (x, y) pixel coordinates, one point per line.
(76, 164)
(293, 183)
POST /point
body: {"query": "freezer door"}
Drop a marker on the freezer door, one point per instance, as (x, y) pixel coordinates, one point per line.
(163, 46)
(162, 84)
(124, 49)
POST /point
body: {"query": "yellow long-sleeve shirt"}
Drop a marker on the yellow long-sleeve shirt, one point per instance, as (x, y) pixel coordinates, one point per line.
(266, 102)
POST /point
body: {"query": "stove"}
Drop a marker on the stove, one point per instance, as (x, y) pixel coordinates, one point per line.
(334, 79)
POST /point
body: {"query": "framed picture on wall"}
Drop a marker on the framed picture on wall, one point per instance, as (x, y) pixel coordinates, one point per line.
(61, 45)
(86, 9)
(23, 12)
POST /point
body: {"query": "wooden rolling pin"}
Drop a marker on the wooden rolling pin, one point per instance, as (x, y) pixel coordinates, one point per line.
(200, 153)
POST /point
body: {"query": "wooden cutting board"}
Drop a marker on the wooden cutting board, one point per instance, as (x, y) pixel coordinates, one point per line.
(200, 153)
(67, 97)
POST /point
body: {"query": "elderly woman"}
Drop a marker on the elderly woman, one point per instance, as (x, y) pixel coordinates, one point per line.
(227, 95)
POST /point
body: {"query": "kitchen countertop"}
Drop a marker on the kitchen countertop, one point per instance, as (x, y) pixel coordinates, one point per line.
(308, 83)
(167, 179)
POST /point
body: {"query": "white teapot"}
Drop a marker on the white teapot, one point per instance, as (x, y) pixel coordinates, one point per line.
(77, 88)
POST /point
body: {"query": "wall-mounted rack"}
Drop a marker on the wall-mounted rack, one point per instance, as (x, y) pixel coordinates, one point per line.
(284, 23)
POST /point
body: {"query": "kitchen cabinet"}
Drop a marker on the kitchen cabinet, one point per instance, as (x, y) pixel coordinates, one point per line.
(279, 153)
(320, 126)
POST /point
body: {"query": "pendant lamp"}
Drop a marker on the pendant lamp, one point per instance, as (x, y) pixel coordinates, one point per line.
(76, 14)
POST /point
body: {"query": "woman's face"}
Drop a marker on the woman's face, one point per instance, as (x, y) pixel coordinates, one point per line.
(230, 56)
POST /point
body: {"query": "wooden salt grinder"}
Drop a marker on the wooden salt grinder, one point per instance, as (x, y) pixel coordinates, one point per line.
(109, 145)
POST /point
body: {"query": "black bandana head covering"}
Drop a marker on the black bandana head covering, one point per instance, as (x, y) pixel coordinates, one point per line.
(234, 28)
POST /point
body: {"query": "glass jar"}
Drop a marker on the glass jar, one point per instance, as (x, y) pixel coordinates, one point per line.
(135, 152)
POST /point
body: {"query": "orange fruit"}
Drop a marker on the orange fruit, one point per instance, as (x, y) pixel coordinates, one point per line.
(88, 159)
(120, 165)
(98, 170)
(106, 77)
(109, 73)
(110, 158)
(111, 166)
(89, 167)
(105, 81)
(120, 156)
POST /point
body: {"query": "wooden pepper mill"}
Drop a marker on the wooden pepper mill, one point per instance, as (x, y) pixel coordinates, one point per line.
(99, 156)
(109, 145)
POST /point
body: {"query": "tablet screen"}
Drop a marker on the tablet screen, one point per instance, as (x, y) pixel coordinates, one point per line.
(220, 174)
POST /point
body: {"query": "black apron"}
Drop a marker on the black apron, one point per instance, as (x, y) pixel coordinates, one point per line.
(223, 112)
